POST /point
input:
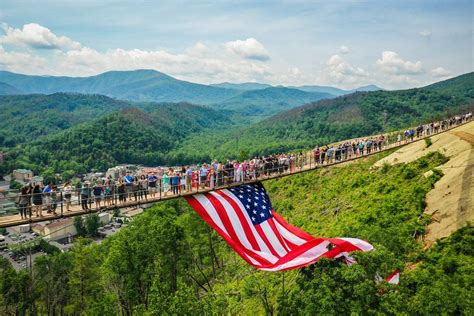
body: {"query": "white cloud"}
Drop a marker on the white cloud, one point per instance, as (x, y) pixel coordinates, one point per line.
(249, 49)
(392, 64)
(199, 49)
(344, 49)
(191, 65)
(425, 33)
(341, 71)
(36, 36)
(440, 72)
(21, 62)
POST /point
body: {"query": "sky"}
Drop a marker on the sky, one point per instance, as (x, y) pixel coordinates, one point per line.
(346, 44)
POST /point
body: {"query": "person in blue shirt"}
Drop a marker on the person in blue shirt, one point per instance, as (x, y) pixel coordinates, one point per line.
(47, 196)
(128, 180)
(152, 179)
(175, 183)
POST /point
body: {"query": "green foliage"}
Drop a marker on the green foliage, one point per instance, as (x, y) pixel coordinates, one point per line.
(129, 136)
(168, 261)
(92, 224)
(79, 225)
(428, 142)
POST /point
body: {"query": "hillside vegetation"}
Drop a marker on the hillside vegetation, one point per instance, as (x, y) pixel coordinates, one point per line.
(25, 118)
(129, 136)
(356, 115)
(168, 261)
(153, 86)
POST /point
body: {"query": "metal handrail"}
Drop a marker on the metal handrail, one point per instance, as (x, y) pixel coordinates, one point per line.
(133, 195)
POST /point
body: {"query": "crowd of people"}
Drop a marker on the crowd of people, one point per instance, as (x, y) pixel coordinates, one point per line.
(174, 181)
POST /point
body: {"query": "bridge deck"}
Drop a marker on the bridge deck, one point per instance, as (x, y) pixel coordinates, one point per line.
(76, 209)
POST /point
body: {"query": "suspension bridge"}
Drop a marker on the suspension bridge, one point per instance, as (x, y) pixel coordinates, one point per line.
(308, 164)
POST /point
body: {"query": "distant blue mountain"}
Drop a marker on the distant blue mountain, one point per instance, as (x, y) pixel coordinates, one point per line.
(6, 89)
(242, 86)
(138, 85)
(154, 86)
(336, 91)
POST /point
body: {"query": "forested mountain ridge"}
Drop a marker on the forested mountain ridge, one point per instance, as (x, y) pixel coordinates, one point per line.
(154, 86)
(6, 89)
(138, 85)
(131, 135)
(270, 100)
(27, 117)
(355, 115)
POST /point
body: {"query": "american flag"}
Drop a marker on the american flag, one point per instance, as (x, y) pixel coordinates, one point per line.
(244, 217)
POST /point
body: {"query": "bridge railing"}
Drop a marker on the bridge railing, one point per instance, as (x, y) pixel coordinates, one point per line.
(59, 203)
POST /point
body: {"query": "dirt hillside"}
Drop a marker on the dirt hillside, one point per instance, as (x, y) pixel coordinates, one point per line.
(451, 202)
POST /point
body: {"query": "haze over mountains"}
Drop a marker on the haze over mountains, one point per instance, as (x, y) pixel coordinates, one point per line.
(153, 86)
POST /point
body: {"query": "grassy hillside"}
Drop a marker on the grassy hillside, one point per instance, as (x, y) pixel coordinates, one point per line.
(168, 261)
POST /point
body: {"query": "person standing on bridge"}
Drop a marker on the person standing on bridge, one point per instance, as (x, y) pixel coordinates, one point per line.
(203, 171)
(47, 196)
(128, 181)
(189, 178)
(67, 190)
(38, 200)
(23, 201)
(152, 178)
(85, 195)
(97, 190)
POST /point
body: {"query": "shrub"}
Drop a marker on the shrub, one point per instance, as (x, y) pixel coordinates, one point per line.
(428, 142)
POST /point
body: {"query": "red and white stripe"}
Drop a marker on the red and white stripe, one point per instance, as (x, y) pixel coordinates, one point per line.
(273, 245)
(394, 277)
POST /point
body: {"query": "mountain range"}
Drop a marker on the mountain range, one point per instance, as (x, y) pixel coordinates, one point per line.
(74, 132)
(153, 86)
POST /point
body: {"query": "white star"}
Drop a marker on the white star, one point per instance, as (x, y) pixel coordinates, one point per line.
(247, 206)
(262, 214)
(257, 198)
(262, 193)
(255, 204)
(241, 196)
(264, 201)
(248, 190)
(249, 200)
(264, 207)
(254, 211)
(253, 218)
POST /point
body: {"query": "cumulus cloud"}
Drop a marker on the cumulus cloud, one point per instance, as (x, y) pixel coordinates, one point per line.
(249, 49)
(340, 70)
(344, 49)
(190, 65)
(21, 62)
(425, 33)
(391, 63)
(36, 36)
(440, 72)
